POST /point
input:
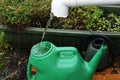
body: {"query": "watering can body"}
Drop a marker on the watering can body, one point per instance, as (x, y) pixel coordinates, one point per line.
(61, 63)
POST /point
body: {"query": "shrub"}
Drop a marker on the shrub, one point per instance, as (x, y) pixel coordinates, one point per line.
(18, 14)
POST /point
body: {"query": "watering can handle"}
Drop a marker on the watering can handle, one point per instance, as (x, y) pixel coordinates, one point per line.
(67, 51)
(29, 67)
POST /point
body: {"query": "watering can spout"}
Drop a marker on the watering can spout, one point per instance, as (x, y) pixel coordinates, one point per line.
(95, 60)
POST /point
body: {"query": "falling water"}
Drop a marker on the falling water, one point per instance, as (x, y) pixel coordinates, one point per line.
(47, 25)
(42, 47)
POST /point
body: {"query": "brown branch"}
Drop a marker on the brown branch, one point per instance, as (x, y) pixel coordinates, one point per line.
(10, 75)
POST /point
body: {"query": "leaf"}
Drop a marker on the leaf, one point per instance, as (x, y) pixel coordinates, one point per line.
(1, 65)
(11, 7)
(19, 9)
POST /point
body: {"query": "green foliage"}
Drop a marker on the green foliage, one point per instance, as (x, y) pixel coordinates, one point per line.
(115, 22)
(3, 48)
(3, 43)
(93, 20)
(18, 14)
(89, 18)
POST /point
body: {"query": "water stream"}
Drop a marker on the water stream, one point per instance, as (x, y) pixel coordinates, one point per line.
(47, 25)
(42, 47)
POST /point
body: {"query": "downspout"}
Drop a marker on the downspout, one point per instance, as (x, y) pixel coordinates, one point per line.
(59, 8)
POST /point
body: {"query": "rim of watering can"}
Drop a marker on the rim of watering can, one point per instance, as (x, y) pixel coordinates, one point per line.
(45, 54)
(98, 42)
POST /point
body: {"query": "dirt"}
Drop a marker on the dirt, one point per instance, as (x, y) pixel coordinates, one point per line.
(107, 75)
(15, 66)
(110, 73)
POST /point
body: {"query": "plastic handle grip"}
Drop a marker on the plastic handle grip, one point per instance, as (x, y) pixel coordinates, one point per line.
(66, 52)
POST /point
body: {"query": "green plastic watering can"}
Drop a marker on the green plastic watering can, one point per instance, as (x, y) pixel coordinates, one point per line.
(61, 63)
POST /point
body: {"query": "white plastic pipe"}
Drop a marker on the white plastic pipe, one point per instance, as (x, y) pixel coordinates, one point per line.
(59, 8)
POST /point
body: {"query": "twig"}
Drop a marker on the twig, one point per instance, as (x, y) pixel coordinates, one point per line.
(10, 75)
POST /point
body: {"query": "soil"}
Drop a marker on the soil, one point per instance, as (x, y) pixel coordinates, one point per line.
(110, 73)
(15, 64)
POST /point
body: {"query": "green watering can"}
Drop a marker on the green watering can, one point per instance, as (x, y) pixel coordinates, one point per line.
(61, 63)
